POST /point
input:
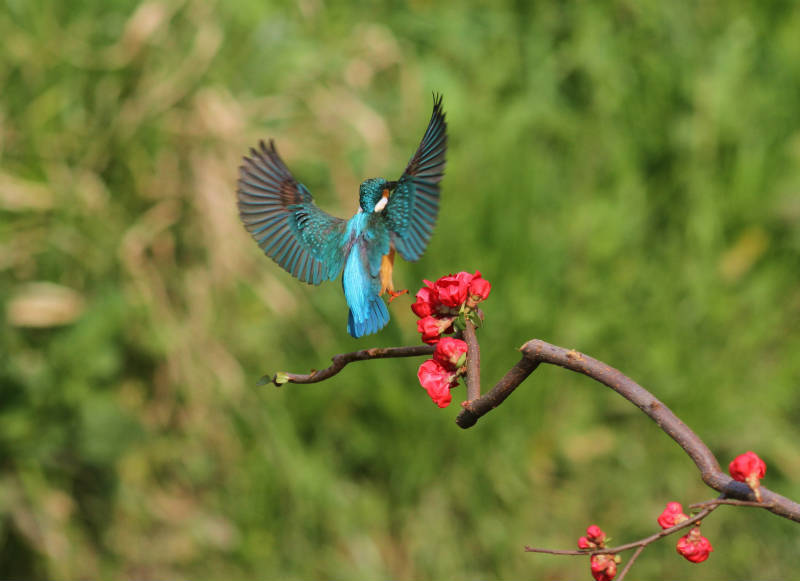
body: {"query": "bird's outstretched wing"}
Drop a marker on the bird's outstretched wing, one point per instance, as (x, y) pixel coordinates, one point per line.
(281, 216)
(413, 206)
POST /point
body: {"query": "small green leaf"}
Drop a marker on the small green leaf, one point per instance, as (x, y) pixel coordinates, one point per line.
(461, 361)
(280, 378)
(476, 319)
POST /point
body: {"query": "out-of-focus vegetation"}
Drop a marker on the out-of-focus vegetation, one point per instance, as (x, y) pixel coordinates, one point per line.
(627, 175)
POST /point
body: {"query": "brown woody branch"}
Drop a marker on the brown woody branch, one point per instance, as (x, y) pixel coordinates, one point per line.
(339, 361)
(628, 546)
(706, 508)
(535, 352)
(473, 362)
(638, 545)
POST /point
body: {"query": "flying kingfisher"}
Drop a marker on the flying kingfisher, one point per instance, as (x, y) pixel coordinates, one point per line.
(314, 246)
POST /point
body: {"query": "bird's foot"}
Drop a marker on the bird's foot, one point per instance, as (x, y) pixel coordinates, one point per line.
(394, 294)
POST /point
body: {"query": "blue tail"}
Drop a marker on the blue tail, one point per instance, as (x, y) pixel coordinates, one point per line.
(376, 319)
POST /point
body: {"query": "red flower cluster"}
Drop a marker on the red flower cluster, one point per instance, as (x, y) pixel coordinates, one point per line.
(440, 303)
(443, 306)
(672, 515)
(440, 374)
(749, 468)
(595, 538)
(604, 567)
(694, 547)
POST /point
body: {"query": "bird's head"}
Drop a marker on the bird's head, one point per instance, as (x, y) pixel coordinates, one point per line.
(374, 193)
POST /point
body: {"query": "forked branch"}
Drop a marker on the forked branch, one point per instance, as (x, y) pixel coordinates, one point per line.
(535, 352)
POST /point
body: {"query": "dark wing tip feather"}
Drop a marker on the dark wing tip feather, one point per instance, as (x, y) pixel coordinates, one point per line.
(275, 210)
(418, 212)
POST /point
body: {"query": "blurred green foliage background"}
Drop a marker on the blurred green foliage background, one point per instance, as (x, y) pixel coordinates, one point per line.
(626, 174)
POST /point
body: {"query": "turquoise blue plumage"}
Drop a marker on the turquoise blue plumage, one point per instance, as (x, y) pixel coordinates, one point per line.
(313, 246)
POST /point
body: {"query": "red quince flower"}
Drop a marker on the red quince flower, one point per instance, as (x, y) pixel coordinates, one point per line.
(479, 287)
(426, 303)
(694, 547)
(430, 328)
(604, 567)
(451, 291)
(437, 381)
(465, 277)
(672, 515)
(595, 538)
(449, 352)
(749, 468)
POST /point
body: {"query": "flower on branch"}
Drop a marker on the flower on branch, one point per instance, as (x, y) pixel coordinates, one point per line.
(451, 299)
(595, 538)
(694, 547)
(672, 515)
(451, 353)
(604, 567)
(425, 304)
(451, 291)
(437, 381)
(432, 328)
(749, 468)
(442, 307)
(479, 289)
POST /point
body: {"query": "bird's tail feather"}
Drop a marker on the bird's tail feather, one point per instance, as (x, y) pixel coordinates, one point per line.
(376, 319)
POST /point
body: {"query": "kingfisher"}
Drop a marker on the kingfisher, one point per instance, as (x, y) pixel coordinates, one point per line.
(313, 246)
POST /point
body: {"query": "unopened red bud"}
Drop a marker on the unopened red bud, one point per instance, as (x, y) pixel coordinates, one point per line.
(672, 515)
(749, 468)
(604, 567)
(596, 534)
(694, 547)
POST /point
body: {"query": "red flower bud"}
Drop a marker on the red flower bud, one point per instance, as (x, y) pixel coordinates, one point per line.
(451, 291)
(479, 287)
(672, 515)
(596, 535)
(747, 464)
(604, 567)
(694, 547)
(448, 352)
(425, 305)
(595, 538)
(437, 381)
(749, 468)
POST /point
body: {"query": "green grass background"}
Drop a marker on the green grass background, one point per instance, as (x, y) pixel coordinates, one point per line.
(626, 174)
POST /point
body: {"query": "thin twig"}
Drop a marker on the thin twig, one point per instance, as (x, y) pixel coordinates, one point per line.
(626, 547)
(339, 361)
(630, 562)
(729, 501)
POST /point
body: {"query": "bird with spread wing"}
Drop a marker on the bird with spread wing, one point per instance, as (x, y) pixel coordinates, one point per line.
(313, 246)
